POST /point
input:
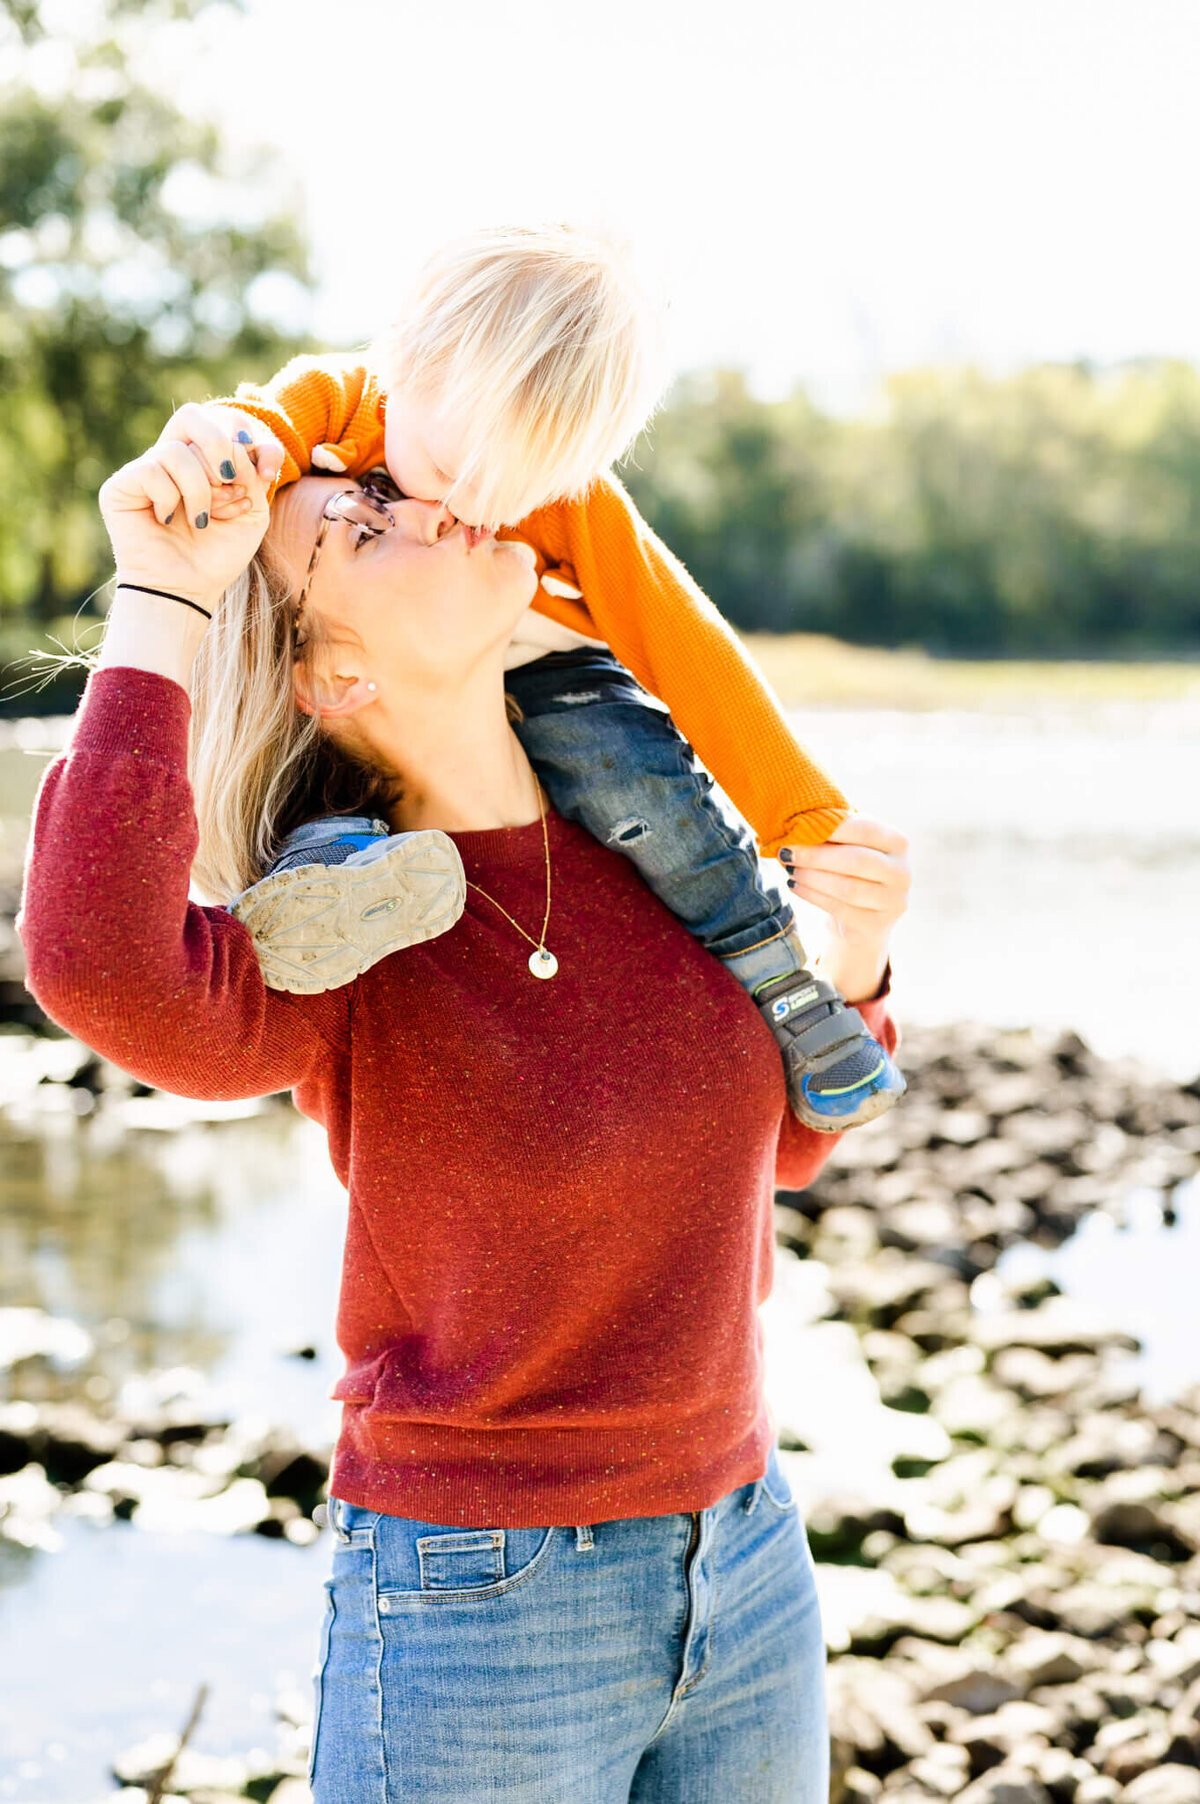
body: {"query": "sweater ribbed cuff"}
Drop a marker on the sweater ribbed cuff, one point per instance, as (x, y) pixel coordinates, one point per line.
(133, 713)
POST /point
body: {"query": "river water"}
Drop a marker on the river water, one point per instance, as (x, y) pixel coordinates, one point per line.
(1057, 881)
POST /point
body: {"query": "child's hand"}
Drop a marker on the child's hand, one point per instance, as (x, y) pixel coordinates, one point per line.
(859, 877)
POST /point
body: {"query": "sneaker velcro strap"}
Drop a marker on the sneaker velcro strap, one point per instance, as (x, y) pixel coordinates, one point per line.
(834, 1030)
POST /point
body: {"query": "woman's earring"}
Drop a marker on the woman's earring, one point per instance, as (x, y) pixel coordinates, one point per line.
(371, 687)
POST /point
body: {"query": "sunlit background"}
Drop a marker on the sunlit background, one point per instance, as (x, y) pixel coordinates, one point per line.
(931, 298)
(823, 193)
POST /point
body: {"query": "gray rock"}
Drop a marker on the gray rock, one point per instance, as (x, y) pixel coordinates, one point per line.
(973, 1684)
(881, 1292)
(1006, 1785)
(1146, 1527)
(1169, 1784)
(1051, 1658)
(1035, 1376)
(1057, 1327)
(871, 1710)
(1089, 1609)
(992, 1739)
(944, 1771)
(1097, 1790)
(1127, 1749)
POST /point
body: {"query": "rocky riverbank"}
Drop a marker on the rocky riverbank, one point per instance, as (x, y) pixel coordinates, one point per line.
(1008, 1533)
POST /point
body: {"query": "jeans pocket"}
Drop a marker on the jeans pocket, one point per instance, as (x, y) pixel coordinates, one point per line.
(352, 1525)
(319, 1676)
(462, 1566)
(461, 1562)
(775, 1485)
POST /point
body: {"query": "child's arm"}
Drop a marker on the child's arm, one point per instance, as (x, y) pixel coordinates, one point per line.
(647, 608)
(325, 411)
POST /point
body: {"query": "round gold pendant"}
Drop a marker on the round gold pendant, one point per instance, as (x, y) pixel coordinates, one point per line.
(543, 963)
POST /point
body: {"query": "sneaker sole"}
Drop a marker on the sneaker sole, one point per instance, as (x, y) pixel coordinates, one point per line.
(877, 1103)
(318, 927)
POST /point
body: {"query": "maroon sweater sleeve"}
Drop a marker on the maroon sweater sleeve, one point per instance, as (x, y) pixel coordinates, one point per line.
(802, 1152)
(115, 952)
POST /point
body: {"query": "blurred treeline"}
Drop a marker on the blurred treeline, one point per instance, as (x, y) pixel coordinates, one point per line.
(1056, 511)
(137, 270)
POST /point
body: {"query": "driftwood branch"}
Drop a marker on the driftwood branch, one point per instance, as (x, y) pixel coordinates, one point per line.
(162, 1779)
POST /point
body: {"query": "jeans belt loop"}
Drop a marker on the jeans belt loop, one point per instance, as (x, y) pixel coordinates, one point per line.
(584, 1542)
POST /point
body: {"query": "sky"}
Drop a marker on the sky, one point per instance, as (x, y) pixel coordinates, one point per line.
(820, 193)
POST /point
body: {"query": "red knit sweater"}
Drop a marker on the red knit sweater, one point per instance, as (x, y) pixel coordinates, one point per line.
(560, 1193)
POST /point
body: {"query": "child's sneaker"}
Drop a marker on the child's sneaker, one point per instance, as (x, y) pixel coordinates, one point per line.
(837, 1075)
(347, 896)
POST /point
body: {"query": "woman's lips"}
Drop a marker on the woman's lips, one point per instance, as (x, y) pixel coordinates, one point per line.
(475, 535)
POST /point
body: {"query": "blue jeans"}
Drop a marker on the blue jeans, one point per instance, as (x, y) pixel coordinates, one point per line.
(652, 1660)
(611, 758)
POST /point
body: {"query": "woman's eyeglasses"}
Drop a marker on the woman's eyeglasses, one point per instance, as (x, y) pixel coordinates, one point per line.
(365, 506)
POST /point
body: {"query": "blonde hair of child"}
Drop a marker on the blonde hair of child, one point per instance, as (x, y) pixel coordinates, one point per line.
(542, 342)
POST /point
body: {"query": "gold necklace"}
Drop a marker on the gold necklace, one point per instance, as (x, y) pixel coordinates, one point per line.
(542, 962)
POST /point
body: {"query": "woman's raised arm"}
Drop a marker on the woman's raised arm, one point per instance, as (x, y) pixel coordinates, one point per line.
(184, 519)
(115, 951)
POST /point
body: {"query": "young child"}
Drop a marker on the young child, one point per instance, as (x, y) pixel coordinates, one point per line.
(519, 370)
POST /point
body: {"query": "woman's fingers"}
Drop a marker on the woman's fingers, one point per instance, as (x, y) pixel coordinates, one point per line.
(860, 862)
(185, 466)
(217, 431)
(859, 876)
(160, 491)
(199, 428)
(872, 898)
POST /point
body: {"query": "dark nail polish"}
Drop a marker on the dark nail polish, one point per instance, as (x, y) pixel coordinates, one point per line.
(243, 437)
(169, 517)
(227, 471)
(786, 852)
(201, 522)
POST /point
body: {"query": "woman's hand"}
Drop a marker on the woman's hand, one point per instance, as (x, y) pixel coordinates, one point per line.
(176, 523)
(860, 879)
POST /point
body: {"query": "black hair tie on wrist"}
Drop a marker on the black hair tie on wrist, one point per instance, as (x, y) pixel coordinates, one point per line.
(167, 596)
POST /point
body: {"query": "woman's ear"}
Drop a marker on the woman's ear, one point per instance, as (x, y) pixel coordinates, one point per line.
(330, 698)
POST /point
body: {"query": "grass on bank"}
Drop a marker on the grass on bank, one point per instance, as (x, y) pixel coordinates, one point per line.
(809, 669)
(805, 669)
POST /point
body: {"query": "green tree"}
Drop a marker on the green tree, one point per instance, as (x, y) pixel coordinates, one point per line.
(1056, 511)
(132, 276)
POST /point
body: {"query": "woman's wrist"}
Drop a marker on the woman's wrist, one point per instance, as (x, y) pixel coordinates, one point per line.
(856, 968)
(150, 632)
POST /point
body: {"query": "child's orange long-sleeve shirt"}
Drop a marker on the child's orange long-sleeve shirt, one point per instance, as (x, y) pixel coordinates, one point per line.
(328, 413)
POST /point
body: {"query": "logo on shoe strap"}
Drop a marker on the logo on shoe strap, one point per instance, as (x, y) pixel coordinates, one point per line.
(387, 907)
(790, 1005)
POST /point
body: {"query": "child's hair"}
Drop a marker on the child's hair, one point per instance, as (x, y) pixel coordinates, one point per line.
(544, 343)
(258, 764)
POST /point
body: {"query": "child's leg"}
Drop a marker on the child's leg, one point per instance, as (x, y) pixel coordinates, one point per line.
(342, 893)
(612, 759)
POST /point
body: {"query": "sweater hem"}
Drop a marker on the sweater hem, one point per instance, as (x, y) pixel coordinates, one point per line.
(537, 1478)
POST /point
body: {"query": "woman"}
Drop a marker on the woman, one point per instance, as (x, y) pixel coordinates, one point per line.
(567, 1566)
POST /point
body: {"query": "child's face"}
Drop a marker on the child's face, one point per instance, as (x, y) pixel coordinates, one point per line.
(425, 452)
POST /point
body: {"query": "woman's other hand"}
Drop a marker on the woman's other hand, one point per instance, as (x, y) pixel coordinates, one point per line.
(175, 520)
(860, 878)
